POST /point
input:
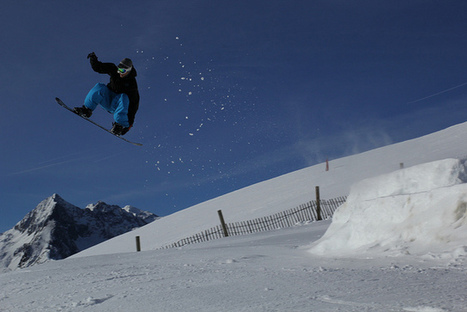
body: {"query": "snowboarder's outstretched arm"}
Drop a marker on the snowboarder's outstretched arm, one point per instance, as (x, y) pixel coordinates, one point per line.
(99, 67)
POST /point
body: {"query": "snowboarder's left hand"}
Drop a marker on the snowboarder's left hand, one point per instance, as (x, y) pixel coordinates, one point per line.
(92, 55)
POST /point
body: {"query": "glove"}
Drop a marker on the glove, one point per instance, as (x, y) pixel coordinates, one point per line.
(92, 55)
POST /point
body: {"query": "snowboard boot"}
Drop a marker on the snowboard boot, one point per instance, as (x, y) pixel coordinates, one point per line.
(118, 129)
(83, 111)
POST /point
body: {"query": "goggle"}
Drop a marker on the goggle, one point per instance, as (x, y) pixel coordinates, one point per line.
(122, 70)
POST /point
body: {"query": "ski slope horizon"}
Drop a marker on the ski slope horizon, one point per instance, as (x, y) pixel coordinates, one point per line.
(290, 190)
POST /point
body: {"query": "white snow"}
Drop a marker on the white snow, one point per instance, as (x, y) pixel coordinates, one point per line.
(398, 244)
(420, 210)
(291, 190)
(261, 272)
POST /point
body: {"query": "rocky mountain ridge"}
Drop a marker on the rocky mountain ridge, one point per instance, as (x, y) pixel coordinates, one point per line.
(56, 229)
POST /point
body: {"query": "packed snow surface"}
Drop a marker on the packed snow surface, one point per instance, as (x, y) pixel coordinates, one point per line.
(398, 244)
(420, 210)
(269, 271)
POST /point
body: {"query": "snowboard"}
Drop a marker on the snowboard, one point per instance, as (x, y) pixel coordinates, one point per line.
(60, 102)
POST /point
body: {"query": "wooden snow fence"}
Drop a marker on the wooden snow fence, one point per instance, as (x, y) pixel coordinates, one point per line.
(304, 213)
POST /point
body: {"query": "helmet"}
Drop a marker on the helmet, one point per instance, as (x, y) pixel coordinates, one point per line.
(126, 63)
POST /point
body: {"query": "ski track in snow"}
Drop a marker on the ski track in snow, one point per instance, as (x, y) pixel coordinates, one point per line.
(261, 272)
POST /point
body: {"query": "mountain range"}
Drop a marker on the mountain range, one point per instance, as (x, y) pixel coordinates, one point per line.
(56, 229)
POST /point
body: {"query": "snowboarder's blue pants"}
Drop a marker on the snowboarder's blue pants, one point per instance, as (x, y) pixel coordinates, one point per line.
(112, 102)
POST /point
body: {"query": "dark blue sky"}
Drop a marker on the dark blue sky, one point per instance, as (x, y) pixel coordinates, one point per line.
(232, 93)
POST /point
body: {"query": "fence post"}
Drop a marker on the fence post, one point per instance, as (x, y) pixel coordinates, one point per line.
(318, 204)
(224, 226)
(138, 244)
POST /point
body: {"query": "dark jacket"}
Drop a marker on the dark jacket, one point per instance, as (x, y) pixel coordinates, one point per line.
(117, 84)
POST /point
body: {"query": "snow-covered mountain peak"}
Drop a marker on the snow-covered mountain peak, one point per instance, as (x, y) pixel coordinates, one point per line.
(145, 215)
(56, 229)
(39, 216)
(101, 206)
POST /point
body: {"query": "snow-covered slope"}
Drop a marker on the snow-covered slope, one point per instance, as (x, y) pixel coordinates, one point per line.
(403, 254)
(291, 190)
(267, 271)
(56, 229)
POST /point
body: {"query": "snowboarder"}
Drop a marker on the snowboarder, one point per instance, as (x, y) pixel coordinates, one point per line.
(119, 97)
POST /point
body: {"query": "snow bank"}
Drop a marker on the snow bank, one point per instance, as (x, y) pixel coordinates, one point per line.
(419, 210)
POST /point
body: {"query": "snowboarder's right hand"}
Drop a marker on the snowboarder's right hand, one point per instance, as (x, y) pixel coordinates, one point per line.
(92, 55)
